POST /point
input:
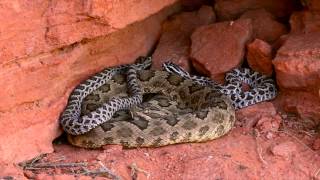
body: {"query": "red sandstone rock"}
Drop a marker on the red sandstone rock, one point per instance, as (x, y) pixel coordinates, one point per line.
(265, 27)
(269, 124)
(249, 116)
(10, 170)
(313, 5)
(97, 17)
(305, 22)
(61, 177)
(118, 14)
(305, 104)
(234, 156)
(285, 149)
(259, 56)
(174, 44)
(29, 174)
(219, 47)
(36, 89)
(316, 144)
(45, 176)
(238, 154)
(276, 45)
(232, 9)
(297, 62)
(192, 4)
(29, 28)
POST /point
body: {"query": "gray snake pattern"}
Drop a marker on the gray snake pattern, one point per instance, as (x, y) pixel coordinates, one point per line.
(262, 89)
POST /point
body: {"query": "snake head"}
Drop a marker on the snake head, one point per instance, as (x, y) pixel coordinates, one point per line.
(175, 69)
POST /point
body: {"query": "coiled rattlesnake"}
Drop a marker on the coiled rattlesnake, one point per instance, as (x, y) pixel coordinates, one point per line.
(179, 108)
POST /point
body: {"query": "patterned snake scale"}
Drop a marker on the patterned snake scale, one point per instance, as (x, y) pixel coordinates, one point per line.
(143, 108)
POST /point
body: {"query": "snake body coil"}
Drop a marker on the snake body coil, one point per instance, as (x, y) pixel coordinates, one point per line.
(156, 108)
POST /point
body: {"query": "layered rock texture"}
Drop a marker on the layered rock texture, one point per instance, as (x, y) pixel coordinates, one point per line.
(48, 47)
(213, 44)
(174, 43)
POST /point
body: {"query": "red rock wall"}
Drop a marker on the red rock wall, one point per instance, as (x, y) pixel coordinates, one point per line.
(47, 47)
(297, 64)
(29, 28)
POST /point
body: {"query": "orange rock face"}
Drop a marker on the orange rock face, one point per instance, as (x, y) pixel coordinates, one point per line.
(192, 4)
(305, 104)
(259, 56)
(285, 150)
(265, 27)
(305, 22)
(297, 65)
(35, 89)
(250, 115)
(29, 28)
(48, 47)
(313, 5)
(174, 44)
(297, 62)
(269, 124)
(220, 47)
(232, 9)
(264, 117)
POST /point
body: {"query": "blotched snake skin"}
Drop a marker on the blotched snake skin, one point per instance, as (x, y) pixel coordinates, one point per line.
(140, 108)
